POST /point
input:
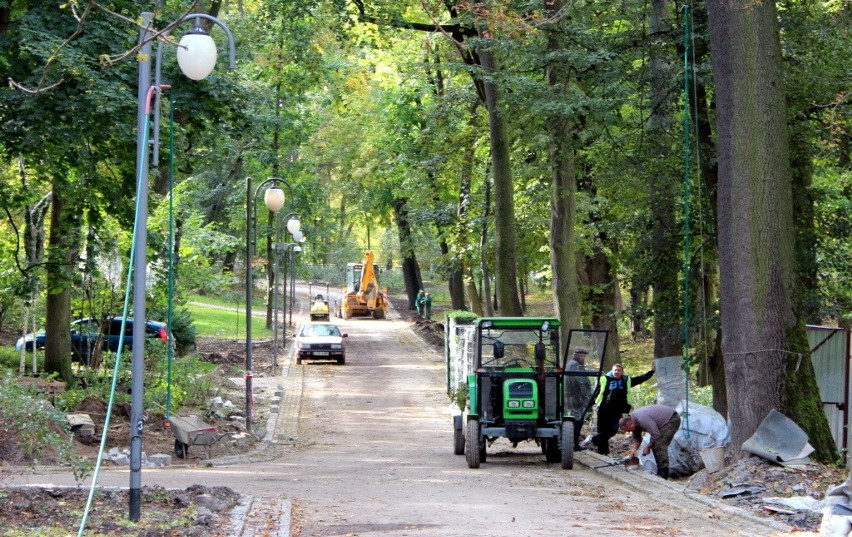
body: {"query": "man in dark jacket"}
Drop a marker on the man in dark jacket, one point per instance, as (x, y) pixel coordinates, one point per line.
(661, 423)
(613, 400)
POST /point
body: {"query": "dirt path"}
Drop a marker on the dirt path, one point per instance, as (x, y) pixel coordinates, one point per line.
(371, 455)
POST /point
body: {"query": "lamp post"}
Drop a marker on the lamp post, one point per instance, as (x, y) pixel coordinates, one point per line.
(299, 237)
(274, 199)
(196, 58)
(293, 226)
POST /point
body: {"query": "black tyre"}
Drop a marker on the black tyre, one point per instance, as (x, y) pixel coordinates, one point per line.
(551, 450)
(474, 447)
(181, 449)
(341, 360)
(458, 435)
(567, 445)
(298, 360)
(379, 314)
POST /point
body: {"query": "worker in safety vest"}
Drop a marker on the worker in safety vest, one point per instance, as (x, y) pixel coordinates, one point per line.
(613, 400)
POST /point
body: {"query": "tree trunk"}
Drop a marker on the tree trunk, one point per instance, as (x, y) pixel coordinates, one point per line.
(638, 310)
(803, 220)
(767, 359)
(505, 269)
(61, 267)
(410, 269)
(600, 289)
(483, 258)
(463, 222)
(563, 188)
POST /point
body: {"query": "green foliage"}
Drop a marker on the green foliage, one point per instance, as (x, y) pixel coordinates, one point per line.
(10, 358)
(34, 432)
(459, 396)
(182, 326)
(461, 316)
(189, 384)
(189, 381)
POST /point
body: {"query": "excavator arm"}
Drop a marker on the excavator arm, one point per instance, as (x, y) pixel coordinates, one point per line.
(369, 288)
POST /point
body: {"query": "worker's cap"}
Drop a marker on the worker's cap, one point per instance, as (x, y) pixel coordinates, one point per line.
(581, 351)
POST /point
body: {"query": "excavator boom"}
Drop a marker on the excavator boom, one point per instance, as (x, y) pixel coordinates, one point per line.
(362, 294)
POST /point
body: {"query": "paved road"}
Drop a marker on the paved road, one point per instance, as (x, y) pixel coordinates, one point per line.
(365, 449)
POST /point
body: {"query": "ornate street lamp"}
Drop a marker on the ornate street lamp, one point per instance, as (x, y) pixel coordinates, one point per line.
(197, 57)
(274, 199)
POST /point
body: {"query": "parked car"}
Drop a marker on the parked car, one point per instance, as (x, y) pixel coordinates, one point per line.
(84, 336)
(320, 341)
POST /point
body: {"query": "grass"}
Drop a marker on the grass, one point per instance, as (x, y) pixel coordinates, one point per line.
(225, 323)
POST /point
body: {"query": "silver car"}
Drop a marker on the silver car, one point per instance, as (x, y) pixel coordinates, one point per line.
(320, 341)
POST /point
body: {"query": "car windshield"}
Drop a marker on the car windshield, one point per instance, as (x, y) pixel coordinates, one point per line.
(320, 330)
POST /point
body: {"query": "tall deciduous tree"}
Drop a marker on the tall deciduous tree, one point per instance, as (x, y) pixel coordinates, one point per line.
(563, 186)
(766, 353)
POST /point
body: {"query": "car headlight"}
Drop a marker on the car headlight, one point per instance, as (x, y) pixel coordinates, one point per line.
(529, 404)
(336, 346)
(514, 404)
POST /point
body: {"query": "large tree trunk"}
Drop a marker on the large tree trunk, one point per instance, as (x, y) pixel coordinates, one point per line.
(455, 280)
(483, 241)
(410, 268)
(803, 222)
(767, 359)
(505, 270)
(663, 190)
(61, 267)
(563, 187)
(462, 221)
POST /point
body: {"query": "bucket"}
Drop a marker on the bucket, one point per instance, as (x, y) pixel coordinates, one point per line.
(714, 458)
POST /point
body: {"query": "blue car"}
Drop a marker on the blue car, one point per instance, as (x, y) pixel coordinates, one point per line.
(84, 336)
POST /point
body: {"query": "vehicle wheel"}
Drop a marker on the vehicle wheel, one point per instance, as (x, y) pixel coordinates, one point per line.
(378, 314)
(458, 435)
(567, 445)
(474, 446)
(341, 360)
(347, 314)
(298, 361)
(551, 450)
(181, 449)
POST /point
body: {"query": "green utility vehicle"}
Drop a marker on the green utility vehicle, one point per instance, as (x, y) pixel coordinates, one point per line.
(519, 388)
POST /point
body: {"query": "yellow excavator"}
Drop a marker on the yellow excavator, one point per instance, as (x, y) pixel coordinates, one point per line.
(362, 294)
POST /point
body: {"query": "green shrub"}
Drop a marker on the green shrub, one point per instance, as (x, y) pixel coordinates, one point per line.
(183, 329)
(33, 432)
(10, 358)
(462, 316)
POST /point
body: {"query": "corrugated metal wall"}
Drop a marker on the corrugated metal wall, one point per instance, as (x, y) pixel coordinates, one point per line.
(830, 354)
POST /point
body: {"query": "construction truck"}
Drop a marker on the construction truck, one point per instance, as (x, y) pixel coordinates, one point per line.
(362, 294)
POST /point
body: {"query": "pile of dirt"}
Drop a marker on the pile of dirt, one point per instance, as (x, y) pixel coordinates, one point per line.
(196, 511)
(431, 331)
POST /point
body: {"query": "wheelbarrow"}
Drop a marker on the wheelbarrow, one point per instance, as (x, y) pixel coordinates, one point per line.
(192, 431)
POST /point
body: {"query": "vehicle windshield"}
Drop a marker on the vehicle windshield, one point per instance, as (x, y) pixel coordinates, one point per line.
(320, 330)
(504, 347)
